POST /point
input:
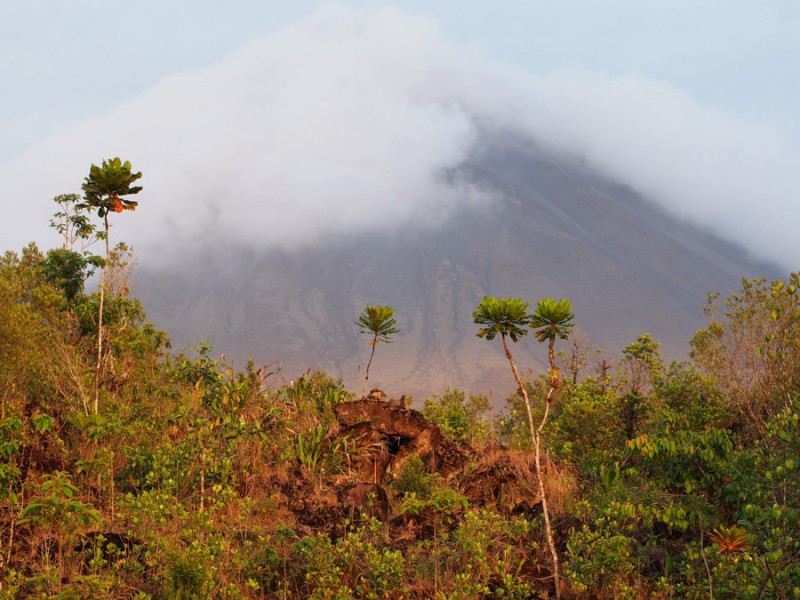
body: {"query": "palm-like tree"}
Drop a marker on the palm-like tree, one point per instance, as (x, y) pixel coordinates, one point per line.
(103, 190)
(552, 319)
(509, 318)
(379, 322)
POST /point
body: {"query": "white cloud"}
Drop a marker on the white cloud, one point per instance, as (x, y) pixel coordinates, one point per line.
(737, 179)
(346, 122)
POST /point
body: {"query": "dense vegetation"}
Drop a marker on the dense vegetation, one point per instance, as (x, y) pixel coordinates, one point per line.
(151, 474)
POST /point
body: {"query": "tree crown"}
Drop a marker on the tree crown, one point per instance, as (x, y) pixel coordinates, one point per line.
(378, 321)
(506, 316)
(106, 184)
(552, 319)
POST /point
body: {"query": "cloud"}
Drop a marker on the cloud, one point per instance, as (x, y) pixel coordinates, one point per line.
(738, 179)
(348, 122)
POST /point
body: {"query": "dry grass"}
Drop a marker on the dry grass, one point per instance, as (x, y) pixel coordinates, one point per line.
(561, 487)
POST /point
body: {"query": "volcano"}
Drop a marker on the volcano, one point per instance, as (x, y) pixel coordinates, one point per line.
(556, 228)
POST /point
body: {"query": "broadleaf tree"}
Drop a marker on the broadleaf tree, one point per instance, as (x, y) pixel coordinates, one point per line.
(104, 190)
(71, 265)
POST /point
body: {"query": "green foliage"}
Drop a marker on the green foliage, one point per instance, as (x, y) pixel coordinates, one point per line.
(751, 351)
(685, 461)
(378, 320)
(313, 395)
(187, 577)
(66, 267)
(73, 224)
(749, 561)
(506, 316)
(641, 363)
(584, 430)
(41, 352)
(68, 270)
(459, 418)
(552, 319)
(414, 479)
(55, 511)
(53, 503)
(511, 425)
(691, 396)
(12, 440)
(310, 448)
(222, 389)
(644, 350)
(601, 563)
(445, 503)
(489, 555)
(104, 187)
(358, 565)
(672, 482)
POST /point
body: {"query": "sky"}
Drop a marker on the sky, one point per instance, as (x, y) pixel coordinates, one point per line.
(280, 124)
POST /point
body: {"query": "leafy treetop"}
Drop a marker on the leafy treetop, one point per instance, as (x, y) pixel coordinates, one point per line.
(72, 224)
(552, 319)
(106, 184)
(378, 321)
(506, 316)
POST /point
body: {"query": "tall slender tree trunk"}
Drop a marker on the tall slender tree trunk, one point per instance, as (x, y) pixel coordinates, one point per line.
(369, 362)
(535, 437)
(100, 325)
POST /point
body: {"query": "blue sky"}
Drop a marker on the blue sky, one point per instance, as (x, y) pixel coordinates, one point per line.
(726, 71)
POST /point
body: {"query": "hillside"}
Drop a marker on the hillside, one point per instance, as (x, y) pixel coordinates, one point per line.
(556, 229)
(157, 475)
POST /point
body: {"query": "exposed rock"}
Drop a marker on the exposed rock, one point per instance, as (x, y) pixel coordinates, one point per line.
(376, 394)
(371, 457)
(382, 434)
(395, 433)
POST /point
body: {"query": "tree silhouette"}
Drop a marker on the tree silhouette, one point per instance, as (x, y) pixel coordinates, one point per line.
(377, 320)
(103, 190)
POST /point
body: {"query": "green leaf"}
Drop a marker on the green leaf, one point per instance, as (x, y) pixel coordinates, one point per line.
(42, 422)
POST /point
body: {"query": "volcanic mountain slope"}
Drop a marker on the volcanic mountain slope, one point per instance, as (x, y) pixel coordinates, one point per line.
(556, 229)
